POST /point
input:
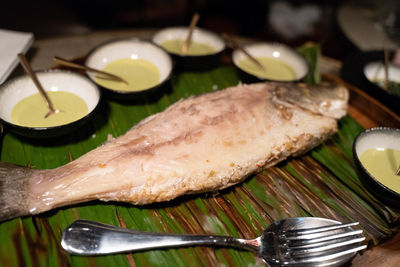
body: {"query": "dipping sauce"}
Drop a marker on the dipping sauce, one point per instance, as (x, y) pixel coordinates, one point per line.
(31, 110)
(275, 69)
(139, 73)
(382, 163)
(194, 49)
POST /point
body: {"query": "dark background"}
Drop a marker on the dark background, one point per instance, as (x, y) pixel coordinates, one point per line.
(249, 18)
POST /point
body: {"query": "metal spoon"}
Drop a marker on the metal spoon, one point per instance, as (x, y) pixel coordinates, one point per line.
(28, 69)
(193, 22)
(68, 63)
(232, 43)
(304, 241)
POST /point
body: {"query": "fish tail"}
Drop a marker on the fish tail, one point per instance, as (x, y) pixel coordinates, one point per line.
(13, 190)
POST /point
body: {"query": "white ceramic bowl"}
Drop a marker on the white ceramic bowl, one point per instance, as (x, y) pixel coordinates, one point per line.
(271, 50)
(133, 48)
(21, 87)
(375, 71)
(199, 35)
(383, 138)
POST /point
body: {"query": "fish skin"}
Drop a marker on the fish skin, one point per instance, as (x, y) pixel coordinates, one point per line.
(200, 144)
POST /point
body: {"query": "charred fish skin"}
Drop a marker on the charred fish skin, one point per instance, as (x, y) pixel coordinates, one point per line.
(200, 144)
(14, 186)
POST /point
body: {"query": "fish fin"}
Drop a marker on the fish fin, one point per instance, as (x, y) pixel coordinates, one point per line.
(13, 190)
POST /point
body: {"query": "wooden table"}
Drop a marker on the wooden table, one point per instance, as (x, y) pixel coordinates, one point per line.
(386, 254)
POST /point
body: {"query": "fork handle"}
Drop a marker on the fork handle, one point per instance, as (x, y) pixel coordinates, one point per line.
(85, 237)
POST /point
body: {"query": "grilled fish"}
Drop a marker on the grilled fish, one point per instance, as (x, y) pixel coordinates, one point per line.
(200, 144)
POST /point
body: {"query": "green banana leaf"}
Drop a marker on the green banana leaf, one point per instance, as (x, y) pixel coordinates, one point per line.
(321, 183)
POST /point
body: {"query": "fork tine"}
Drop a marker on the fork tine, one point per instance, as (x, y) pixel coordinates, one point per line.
(324, 246)
(327, 257)
(319, 229)
(317, 238)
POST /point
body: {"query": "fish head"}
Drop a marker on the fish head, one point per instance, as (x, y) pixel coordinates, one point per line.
(326, 99)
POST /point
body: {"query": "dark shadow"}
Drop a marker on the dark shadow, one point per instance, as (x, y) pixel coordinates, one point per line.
(148, 96)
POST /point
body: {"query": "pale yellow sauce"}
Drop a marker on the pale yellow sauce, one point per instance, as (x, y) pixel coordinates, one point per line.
(139, 73)
(275, 69)
(31, 110)
(382, 163)
(194, 49)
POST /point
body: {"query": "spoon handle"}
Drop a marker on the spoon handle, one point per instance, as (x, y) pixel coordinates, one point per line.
(78, 66)
(85, 237)
(27, 67)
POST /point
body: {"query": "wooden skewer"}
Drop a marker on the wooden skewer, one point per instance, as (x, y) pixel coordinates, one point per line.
(28, 69)
(386, 82)
(386, 58)
(232, 42)
(68, 63)
(193, 22)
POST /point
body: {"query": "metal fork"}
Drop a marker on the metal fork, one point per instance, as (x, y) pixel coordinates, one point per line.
(318, 246)
(305, 241)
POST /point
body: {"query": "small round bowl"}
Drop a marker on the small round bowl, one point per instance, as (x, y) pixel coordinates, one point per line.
(132, 48)
(276, 51)
(375, 74)
(378, 138)
(192, 62)
(355, 72)
(21, 87)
